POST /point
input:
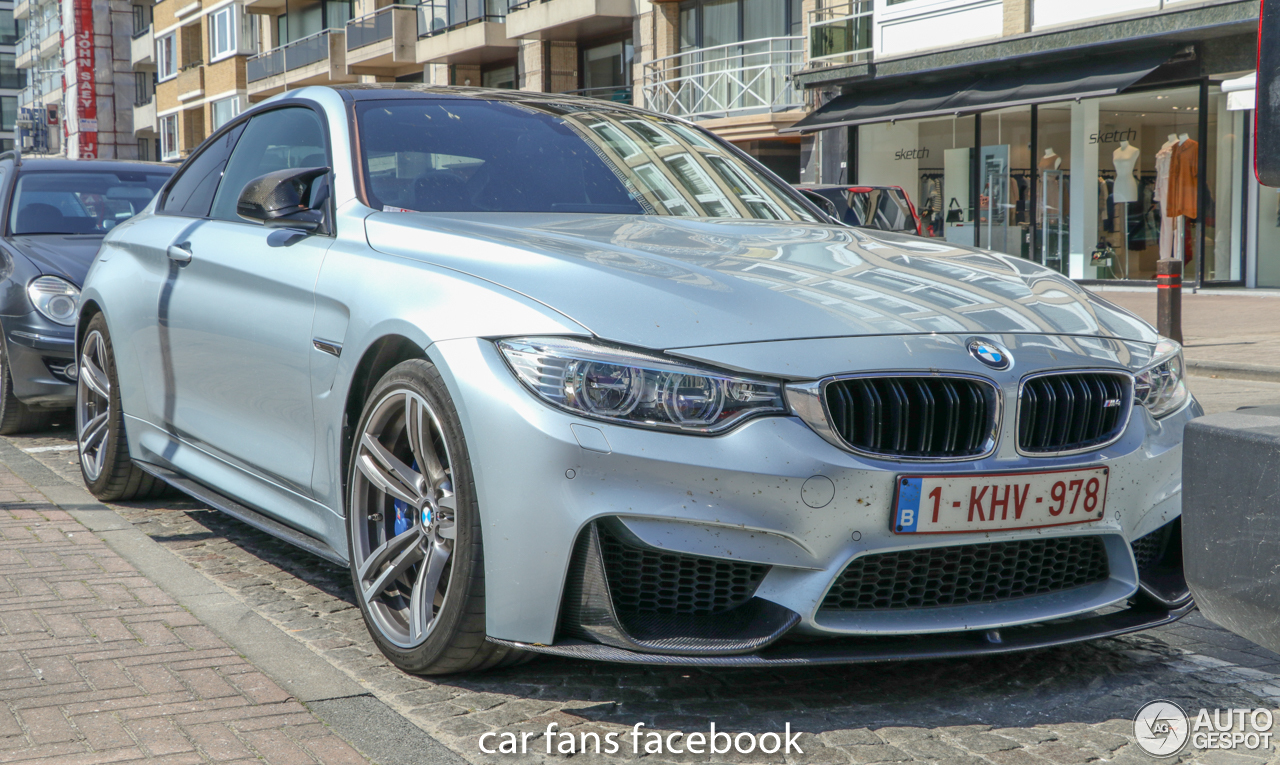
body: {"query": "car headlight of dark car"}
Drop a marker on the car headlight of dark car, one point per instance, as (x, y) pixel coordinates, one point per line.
(634, 388)
(1160, 386)
(57, 299)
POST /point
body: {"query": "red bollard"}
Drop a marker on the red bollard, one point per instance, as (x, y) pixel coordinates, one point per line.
(1169, 299)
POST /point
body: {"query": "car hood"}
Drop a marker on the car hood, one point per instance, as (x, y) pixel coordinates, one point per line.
(65, 255)
(668, 282)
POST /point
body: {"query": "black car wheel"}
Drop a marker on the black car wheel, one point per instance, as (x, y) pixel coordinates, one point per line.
(414, 529)
(104, 450)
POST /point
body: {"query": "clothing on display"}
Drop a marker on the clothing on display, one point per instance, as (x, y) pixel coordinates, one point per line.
(1125, 160)
(1184, 178)
(1164, 159)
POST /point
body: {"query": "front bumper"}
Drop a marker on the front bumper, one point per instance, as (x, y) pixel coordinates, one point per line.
(41, 361)
(544, 477)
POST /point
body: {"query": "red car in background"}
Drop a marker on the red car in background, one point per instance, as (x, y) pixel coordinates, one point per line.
(884, 208)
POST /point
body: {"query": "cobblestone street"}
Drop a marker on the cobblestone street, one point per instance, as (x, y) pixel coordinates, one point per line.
(1067, 705)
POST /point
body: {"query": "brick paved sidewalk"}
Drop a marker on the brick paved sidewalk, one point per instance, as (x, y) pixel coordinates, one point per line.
(98, 664)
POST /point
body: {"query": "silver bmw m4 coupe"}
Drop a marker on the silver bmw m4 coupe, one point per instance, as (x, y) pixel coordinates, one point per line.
(554, 375)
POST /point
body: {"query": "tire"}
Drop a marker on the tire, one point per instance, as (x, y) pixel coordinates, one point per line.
(412, 533)
(15, 416)
(108, 471)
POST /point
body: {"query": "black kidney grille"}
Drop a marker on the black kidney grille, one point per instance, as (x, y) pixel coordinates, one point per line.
(1065, 412)
(965, 574)
(647, 581)
(913, 416)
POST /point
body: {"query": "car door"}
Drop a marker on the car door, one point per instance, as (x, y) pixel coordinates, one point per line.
(238, 320)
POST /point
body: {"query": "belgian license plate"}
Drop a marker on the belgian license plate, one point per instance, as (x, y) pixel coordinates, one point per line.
(954, 504)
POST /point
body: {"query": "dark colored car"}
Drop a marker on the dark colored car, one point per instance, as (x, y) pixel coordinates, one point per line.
(884, 208)
(56, 212)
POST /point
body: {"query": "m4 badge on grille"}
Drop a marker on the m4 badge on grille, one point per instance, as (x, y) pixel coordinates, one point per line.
(989, 353)
(1111, 403)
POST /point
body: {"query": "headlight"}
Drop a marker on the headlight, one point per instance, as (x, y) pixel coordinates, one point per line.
(56, 299)
(1160, 386)
(634, 388)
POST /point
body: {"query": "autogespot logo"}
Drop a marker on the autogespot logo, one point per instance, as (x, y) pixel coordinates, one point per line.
(989, 353)
(1161, 728)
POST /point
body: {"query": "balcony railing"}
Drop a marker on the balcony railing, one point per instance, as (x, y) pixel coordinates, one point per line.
(301, 52)
(840, 34)
(373, 27)
(619, 94)
(738, 78)
(437, 16)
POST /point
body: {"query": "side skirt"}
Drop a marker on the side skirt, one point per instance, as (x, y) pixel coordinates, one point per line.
(244, 514)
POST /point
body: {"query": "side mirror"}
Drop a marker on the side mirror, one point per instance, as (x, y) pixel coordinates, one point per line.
(290, 198)
(1266, 134)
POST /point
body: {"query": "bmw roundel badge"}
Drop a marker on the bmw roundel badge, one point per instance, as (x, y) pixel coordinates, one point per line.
(990, 354)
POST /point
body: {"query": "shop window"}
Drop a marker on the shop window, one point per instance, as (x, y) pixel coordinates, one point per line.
(606, 70)
(499, 77)
(1005, 176)
(931, 159)
(166, 57)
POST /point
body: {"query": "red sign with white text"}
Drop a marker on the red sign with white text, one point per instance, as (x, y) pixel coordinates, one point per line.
(86, 84)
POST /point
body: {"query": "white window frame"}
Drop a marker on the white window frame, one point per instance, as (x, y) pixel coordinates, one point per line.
(166, 57)
(168, 148)
(238, 106)
(223, 45)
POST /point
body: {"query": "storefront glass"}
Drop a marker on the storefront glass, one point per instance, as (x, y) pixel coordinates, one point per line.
(932, 160)
(1005, 175)
(1103, 189)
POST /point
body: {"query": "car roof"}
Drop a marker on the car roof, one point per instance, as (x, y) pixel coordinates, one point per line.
(60, 164)
(370, 91)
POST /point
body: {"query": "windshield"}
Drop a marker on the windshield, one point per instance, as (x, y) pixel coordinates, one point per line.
(488, 156)
(81, 202)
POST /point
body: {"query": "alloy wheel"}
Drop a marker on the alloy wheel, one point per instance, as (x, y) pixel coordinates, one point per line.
(403, 518)
(93, 405)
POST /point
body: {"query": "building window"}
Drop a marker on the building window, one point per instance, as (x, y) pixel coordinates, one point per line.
(144, 88)
(606, 70)
(499, 77)
(141, 18)
(225, 110)
(8, 112)
(10, 75)
(169, 137)
(166, 57)
(708, 23)
(144, 150)
(222, 33)
(10, 28)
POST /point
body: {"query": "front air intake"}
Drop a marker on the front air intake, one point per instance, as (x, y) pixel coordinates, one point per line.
(925, 417)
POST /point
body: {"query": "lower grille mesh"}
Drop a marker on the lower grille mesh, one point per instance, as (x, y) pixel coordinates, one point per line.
(1149, 550)
(965, 574)
(646, 581)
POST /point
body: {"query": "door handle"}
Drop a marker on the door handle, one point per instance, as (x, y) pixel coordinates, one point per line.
(180, 253)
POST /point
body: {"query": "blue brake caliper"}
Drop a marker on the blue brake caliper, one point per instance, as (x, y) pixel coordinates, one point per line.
(403, 519)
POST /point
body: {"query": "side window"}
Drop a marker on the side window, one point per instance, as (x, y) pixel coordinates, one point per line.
(191, 192)
(276, 140)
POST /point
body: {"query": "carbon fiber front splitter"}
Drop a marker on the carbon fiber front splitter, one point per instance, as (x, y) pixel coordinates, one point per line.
(1141, 616)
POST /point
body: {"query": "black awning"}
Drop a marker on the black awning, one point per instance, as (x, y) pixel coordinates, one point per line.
(1085, 78)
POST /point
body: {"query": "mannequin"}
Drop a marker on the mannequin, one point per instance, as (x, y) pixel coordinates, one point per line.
(1125, 159)
(1184, 138)
(1163, 159)
(1050, 160)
